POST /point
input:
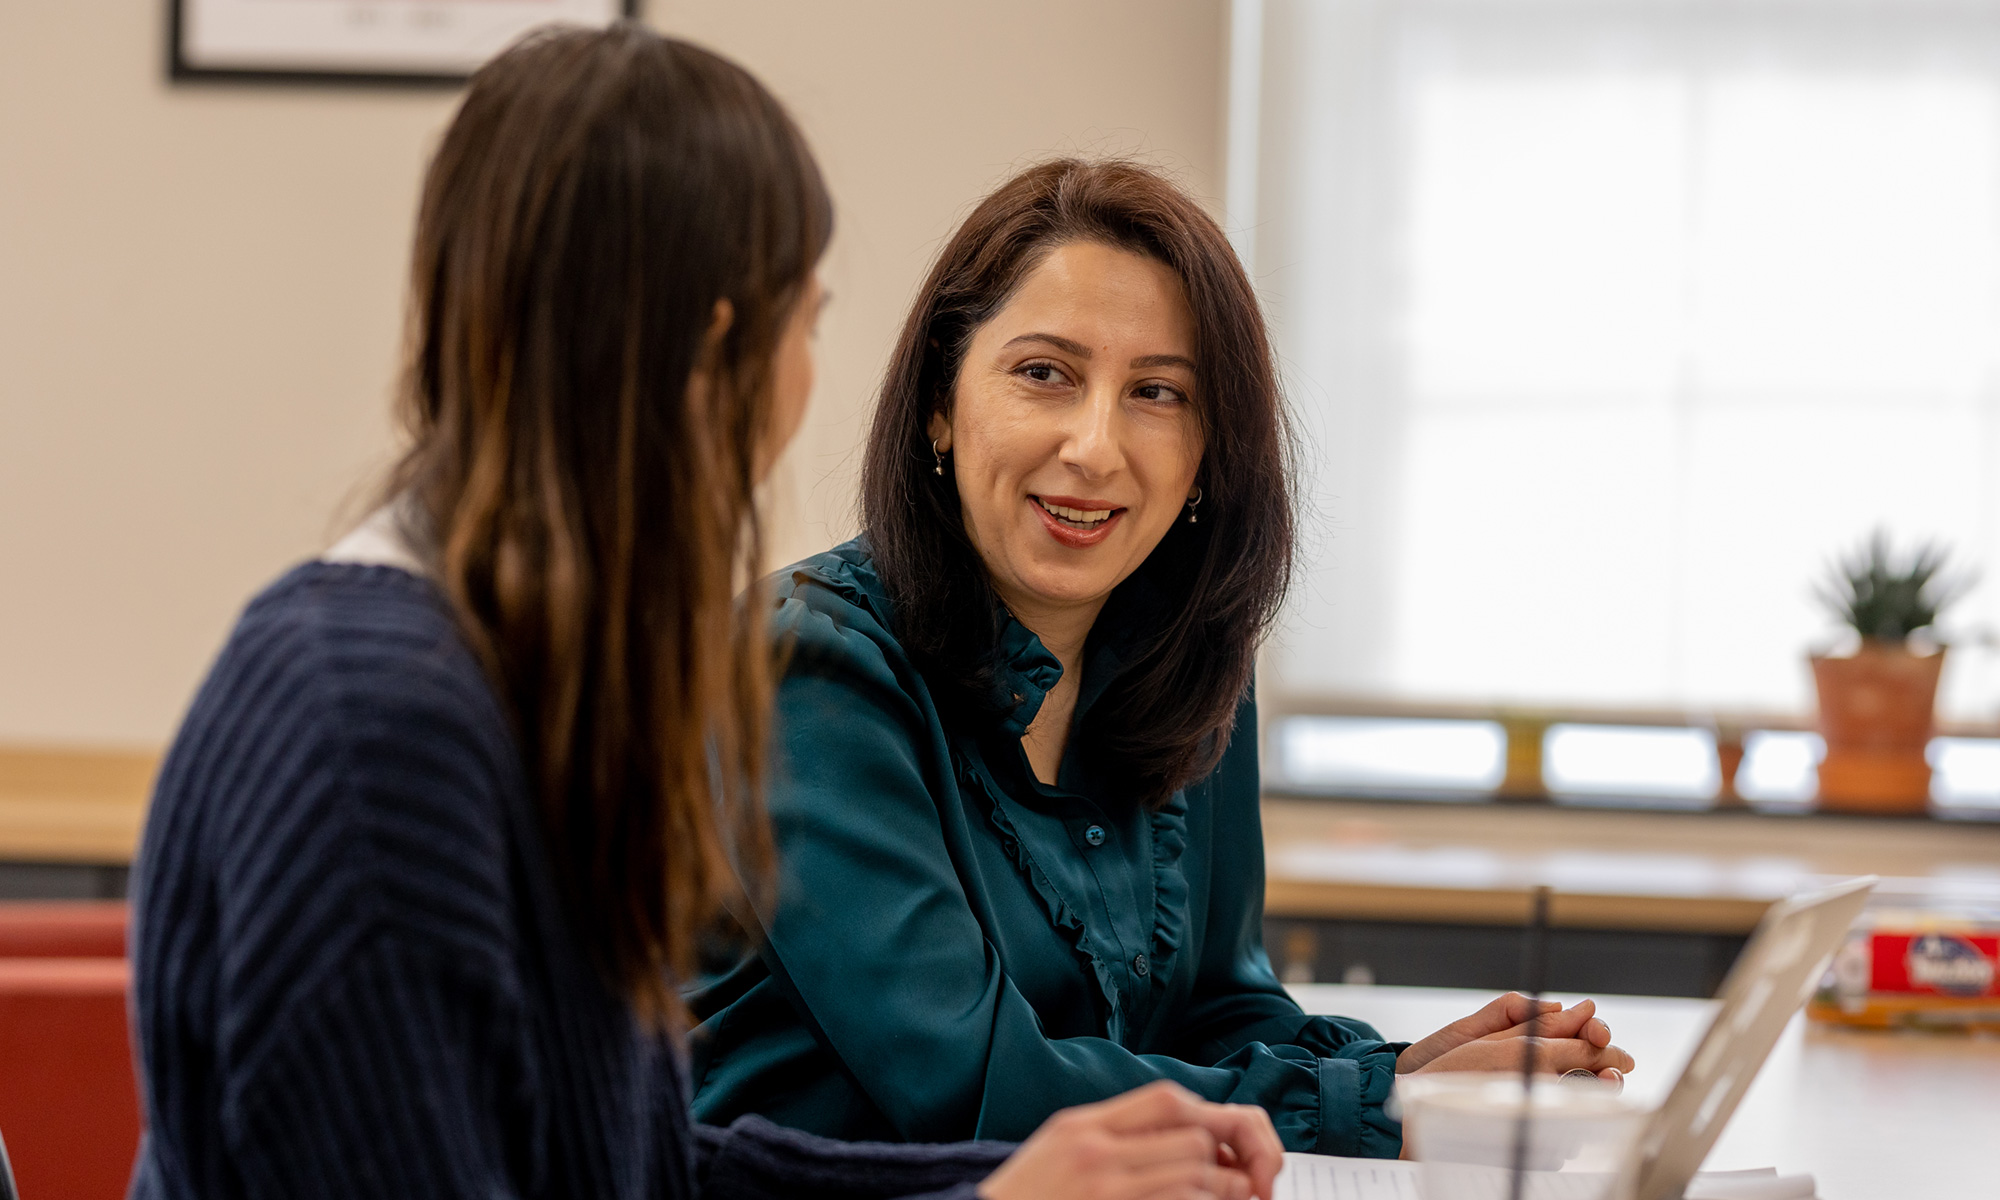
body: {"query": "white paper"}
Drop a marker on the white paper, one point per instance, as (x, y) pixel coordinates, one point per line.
(1324, 1177)
(1766, 1184)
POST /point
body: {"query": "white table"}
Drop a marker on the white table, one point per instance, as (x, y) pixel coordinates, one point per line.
(1872, 1116)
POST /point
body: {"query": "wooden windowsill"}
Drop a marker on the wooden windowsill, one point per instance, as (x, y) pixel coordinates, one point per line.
(1695, 872)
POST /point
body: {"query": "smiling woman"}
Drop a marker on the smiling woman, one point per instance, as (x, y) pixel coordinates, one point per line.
(1075, 447)
(1096, 314)
(1016, 797)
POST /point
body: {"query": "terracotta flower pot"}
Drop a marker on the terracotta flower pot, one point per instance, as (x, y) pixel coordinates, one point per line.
(1876, 714)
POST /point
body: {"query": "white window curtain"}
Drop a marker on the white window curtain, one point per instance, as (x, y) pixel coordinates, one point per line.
(1610, 321)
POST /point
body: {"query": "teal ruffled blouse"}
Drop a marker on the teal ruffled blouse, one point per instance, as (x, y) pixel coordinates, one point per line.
(957, 950)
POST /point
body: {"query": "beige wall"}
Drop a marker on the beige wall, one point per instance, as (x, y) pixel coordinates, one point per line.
(200, 289)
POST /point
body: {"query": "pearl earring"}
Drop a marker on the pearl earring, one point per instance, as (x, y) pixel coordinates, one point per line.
(1192, 502)
(935, 453)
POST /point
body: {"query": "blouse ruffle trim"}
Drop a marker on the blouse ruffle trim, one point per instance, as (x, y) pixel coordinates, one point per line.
(1170, 895)
(1170, 885)
(1061, 913)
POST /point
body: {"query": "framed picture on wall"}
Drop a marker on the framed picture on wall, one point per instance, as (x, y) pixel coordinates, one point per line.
(359, 41)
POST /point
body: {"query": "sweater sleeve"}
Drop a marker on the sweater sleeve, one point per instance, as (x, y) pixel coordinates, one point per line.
(877, 945)
(752, 1159)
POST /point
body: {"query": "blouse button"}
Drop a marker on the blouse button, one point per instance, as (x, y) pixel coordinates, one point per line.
(1094, 835)
(1139, 965)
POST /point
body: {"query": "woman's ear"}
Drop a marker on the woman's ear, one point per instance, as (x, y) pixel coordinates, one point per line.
(719, 320)
(702, 378)
(939, 431)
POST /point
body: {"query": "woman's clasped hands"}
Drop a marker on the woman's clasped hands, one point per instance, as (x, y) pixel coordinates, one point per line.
(1571, 1039)
(1157, 1142)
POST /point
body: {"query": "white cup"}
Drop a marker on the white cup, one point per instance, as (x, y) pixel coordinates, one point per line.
(1466, 1129)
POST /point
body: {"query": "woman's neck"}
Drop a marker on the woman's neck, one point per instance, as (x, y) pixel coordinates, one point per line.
(1063, 630)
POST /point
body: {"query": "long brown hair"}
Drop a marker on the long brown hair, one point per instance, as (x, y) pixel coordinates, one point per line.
(583, 453)
(1215, 585)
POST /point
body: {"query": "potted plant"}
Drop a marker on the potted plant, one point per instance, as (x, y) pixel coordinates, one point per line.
(1877, 705)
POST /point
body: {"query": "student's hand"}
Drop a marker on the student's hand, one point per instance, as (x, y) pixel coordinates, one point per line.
(1154, 1141)
(1454, 1048)
(1558, 1056)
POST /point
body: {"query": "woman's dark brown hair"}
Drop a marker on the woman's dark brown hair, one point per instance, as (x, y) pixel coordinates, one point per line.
(1210, 588)
(582, 466)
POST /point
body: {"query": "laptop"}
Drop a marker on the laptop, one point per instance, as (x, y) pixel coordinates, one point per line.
(1776, 973)
(1778, 969)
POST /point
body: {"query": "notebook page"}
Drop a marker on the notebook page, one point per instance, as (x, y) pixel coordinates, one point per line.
(1323, 1177)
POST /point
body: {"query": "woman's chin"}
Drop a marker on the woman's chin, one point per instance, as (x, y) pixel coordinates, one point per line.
(1068, 586)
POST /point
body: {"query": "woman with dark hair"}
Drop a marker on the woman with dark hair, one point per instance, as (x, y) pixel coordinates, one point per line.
(444, 821)
(1017, 795)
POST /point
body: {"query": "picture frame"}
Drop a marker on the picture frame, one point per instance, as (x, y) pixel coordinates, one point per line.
(371, 42)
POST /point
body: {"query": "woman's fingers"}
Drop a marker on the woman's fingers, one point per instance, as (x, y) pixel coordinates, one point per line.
(1571, 1054)
(1507, 1016)
(1152, 1143)
(1591, 1027)
(1577, 1021)
(1175, 1180)
(1501, 1013)
(1564, 1022)
(1558, 1055)
(1191, 1146)
(1245, 1129)
(1551, 1054)
(1513, 1009)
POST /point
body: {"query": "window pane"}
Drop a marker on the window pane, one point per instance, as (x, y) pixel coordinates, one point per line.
(1779, 765)
(1369, 751)
(1965, 772)
(1846, 233)
(1610, 760)
(1546, 235)
(1532, 564)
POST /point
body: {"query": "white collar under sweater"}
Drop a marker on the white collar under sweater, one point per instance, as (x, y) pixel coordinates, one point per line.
(378, 541)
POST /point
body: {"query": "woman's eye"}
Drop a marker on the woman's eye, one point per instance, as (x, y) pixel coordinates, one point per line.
(1160, 392)
(1041, 372)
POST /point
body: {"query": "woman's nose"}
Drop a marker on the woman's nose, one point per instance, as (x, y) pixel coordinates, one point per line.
(1090, 443)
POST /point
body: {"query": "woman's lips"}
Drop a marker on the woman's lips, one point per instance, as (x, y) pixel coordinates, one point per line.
(1069, 535)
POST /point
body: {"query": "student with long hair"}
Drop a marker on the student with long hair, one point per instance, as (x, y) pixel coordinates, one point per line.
(1018, 797)
(439, 832)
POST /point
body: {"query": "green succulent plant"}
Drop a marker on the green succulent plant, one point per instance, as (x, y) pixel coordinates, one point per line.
(1884, 598)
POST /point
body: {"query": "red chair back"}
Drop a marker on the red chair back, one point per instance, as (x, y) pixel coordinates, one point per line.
(69, 1100)
(63, 928)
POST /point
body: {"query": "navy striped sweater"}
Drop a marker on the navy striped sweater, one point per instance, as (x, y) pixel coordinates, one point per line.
(352, 974)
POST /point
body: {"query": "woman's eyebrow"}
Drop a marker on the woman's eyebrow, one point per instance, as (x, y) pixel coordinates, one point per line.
(1072, 346)
(1066, 345)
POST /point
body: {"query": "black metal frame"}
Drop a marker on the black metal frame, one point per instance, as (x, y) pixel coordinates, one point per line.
(7, 1191)
(179, 70)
